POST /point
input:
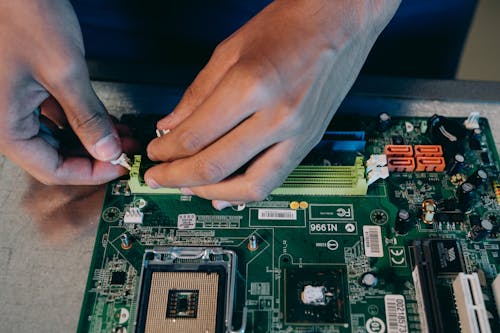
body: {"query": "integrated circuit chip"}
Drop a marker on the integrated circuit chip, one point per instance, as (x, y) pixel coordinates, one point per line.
(315, 295)
(446, 256)
(118, 278)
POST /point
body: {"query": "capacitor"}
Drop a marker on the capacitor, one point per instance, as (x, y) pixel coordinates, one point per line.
(369, 280)
(465, 194)
(481, 231)
(125, 242)
(456, 164)
(252, 243)
(475, 139)
(403, 222)
(384, 121)
(479, 178)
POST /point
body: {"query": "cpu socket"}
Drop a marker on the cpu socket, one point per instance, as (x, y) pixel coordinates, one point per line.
(186, 290)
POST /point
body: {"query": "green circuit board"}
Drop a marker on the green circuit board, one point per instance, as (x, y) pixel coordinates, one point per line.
(383, 228)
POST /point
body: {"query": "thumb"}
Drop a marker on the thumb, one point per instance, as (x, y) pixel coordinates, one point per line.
(87, 115)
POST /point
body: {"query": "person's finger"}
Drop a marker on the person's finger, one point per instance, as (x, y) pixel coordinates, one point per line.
(218, 160)
(265, 174)
(233, 101)
(85, 112)
(51, 109)
(41, 160)
(201, 88)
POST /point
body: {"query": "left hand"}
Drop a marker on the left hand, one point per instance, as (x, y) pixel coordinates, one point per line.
(266, 96)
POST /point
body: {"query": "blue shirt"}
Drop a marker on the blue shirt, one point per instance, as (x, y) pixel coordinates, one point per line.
(425, 37)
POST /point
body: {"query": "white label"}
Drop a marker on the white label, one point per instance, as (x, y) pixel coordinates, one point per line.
(395, 314)
(186, 221)
(372, 235)
(277, 214)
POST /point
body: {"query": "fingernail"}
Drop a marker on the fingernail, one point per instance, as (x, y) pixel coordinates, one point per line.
(220, 205)
(107, 148)
(186, 191)
(165, 119)
(152, 183)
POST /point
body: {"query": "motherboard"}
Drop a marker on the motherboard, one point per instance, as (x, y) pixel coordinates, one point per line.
(391, 224)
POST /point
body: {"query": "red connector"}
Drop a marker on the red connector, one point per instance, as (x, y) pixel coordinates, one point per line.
(431, 164)
(399, 151)
(428, 150)
(401, 164)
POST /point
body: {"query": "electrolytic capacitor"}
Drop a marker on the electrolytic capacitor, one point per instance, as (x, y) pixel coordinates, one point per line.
(384, 121)
(403, 222)
(369, 280)
(481, 231)
(479, 178)
(456, 164)
(465, 194)
(475, 139)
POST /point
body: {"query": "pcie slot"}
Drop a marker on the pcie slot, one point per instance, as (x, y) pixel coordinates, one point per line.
(496, 292)
(427, 298)
(430, 164)
(470, 304)
(398, 150)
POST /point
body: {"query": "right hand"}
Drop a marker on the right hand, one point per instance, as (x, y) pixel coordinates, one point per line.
(42, 59)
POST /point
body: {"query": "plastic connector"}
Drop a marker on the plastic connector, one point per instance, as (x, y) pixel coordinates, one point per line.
(428, 150)
(431, 164)
(376, 161)
(401, 164)
(472, 122)
(133, 215)
(495, 286)
(470, 304)
(377, 173)
(398, 151)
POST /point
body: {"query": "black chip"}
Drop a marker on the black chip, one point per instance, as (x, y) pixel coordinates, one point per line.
(118, 277)
(182, 303)
(450, 204)
(397, 140)
(446, 256)
(474, 219)
(485, 157)
(474, 144)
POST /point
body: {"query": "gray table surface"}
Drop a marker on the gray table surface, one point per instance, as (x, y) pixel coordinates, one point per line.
(47, 233)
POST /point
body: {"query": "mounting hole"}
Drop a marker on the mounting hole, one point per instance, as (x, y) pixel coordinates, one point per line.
(379, 216)
(111, 214)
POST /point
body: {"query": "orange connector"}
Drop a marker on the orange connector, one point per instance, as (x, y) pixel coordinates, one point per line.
(401, 164)
(428, 150)
(399, 151)
(430, 164)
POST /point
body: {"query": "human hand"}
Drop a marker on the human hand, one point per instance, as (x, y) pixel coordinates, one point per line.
(42, 59)
(265, 97)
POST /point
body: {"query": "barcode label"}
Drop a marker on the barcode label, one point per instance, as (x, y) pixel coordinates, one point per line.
(277, 214)
(372, 235)
(395, 314)
(186, 221)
